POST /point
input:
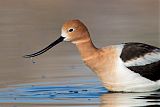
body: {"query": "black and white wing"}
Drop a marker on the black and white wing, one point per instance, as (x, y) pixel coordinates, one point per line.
(143, 59)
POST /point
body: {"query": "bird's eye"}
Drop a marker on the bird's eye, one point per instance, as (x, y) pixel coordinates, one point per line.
(71, 30)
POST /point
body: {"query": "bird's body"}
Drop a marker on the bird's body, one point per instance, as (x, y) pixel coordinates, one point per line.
(128, 67)
(132, 75)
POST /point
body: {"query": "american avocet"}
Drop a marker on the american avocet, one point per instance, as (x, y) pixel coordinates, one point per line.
(128, 67)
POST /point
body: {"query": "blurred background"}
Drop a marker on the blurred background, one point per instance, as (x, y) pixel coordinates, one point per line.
(27, 26)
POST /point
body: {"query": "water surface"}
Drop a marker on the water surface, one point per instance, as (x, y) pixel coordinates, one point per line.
(84, 95)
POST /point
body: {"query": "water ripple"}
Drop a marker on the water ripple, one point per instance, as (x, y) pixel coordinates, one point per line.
(51, 94)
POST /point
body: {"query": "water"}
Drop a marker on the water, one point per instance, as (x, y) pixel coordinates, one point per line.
(27, 26)
(77, 95)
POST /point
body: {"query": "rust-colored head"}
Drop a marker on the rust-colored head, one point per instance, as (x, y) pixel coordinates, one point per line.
(75, 31)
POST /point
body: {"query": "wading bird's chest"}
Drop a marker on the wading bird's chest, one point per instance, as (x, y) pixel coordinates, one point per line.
(105, 66)
(110, 69)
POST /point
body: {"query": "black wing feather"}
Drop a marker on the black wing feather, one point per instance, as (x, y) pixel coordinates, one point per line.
(149, 71)
(135, 50)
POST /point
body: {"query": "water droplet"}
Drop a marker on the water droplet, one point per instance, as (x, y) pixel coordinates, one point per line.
(43, 76)
(75, 91)
(84, 90)
(33, 60)
(70, 91)
(32, 85)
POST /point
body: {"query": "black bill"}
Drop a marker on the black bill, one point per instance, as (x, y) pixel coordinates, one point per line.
(60, 39)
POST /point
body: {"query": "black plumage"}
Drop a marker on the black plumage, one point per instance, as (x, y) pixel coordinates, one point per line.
(132, 51)
(135, 50)
(149, 71)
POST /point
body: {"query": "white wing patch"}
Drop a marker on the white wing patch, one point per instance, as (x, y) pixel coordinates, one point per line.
(143, 60)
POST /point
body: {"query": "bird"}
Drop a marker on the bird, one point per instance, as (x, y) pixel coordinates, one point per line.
(126, 67)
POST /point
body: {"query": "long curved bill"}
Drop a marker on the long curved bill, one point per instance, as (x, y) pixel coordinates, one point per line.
(60, 39)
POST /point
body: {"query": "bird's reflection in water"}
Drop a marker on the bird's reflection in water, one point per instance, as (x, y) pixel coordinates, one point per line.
(130, 99)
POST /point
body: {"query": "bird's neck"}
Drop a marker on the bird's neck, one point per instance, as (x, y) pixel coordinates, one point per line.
(86, 49)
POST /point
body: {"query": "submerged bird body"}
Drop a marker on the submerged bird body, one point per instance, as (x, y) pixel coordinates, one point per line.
(128, 67)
